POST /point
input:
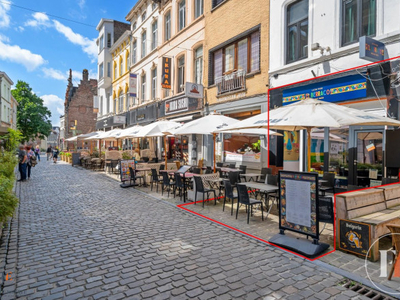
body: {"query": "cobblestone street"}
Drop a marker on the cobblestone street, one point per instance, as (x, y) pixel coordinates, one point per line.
(78, 235)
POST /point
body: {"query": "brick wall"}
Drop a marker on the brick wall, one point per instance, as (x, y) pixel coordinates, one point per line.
(119, 29)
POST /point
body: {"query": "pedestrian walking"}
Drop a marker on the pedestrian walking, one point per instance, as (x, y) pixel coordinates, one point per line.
(37, 152)
(49, 152)
(31, 160)
(55, 154)
(22, 160)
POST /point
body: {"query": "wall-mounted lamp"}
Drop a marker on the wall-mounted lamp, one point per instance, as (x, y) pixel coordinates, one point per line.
(316, 46)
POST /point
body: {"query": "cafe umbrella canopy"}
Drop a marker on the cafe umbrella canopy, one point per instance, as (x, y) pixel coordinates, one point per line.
(312, 113)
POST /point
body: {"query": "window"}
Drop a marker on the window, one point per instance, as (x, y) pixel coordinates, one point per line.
(154, 35)
(182, 14)
(358, 19)
(108, 69)
(127, 61)
(115, 105)
(121, 66)
(121, 102)
(241, 55)
(109, 40)
(198, 8)
(101, 43)
(101, 105)
(134, 26)
(154, 83)
(216, 2)
(198, 65)
(167, 26)
(144, 16)
(108, 103)
(143, 77)
(115, 70)
(134, 51)
(297, 31)
(181, 74)
(153, 6)
(143, 44)
(126, 101)
(101, 71)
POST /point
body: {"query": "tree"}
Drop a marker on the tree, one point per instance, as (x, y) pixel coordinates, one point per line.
(33, 118)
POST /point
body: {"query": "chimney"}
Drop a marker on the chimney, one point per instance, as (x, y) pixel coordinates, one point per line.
(85, 75)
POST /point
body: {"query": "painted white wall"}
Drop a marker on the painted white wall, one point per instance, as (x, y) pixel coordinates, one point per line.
(325, 29)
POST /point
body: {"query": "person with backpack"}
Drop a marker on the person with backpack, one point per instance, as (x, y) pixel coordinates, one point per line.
(31, 160)
(49, 152)
(37, 152)
(55, 154)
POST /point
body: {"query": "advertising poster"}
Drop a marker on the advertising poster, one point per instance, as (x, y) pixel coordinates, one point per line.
(354, 237)
(124, 169)
(246, 157)
(299, 202)
(291, 146)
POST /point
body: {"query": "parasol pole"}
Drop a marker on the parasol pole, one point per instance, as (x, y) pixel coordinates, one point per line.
(214, 139)
(165, 151)
(309, 148)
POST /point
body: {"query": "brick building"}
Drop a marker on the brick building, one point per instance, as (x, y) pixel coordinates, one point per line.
(78, 107)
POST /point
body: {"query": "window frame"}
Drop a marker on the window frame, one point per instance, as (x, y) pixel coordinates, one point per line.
(109, 40)
(180, 70)
(144, 44)
(196, 59)
(120, 102)
(101, 43)
(198, 13)
(298, 39)
(143, 86)
(134, 52)
(216, 3)
(101, 106)
(154, 83)
(108, 69)
(144, 15)
(101, 71)
(154, 35)
(359, 24)
(121, 65)
(183, 10)
(167, 26)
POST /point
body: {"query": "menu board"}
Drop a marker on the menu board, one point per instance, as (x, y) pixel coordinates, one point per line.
(299, 202)
(124, 169)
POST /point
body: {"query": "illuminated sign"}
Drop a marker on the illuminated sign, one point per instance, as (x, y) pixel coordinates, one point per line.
(176, 105)
(371, 49)
(166, 73)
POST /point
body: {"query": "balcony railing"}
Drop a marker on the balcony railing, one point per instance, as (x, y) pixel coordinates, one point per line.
(235, 81)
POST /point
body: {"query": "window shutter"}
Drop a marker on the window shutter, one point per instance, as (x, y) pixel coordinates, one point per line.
(255, 51)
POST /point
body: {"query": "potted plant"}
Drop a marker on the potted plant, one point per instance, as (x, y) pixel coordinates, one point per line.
(126, 155)
(69, 157)
(62, 156)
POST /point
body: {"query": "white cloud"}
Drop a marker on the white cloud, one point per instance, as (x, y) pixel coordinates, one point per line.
(60, 110)
(19, 29)
(88, 46)
(81, 3)
(51, 99)
(55, 74)
(4, 17)
(39, 20)
(56, 105)
(18, 55)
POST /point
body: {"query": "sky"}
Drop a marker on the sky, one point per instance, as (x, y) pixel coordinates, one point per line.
(41, 40)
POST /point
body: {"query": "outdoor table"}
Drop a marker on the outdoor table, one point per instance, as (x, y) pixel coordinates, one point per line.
(250, 176)
(144, 177)
(169, 171)
(186, 175)
(215, 183)
(263, 187)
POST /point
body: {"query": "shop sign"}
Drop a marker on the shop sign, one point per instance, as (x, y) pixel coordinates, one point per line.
(246, 157)
(166, 73)
(354, 237)
(176, 105)
(340, 89)
(194, 90)
(232, 97)
(371, 49)
(119, 119)
(132, 85)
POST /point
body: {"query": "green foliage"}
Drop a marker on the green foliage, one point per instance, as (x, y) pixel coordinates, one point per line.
(96, 154)
(12, 139)
(68, 154)
(8, 201)
(33, 118)
(257, 146)
(126, 155)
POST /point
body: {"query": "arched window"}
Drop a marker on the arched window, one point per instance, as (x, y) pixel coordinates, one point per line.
(167, 26)
(181, 15)
(121, 66)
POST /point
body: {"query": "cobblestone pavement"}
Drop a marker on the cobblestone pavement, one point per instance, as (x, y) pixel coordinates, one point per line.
(78, 235)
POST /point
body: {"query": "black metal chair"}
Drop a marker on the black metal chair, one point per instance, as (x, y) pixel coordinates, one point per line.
(166, 182)
(201, 189)
(233, 178)
(325, 211)
(196, 170)
(232, 166)
(134, 177)
(179, 184)
(264, 173)
(329, 185)
(351, 187)
(242, 170)
(209, 171)
(162, 167)
(220, 164)
(229, 194)
(155, 178)
(389, 180)
(243, 198)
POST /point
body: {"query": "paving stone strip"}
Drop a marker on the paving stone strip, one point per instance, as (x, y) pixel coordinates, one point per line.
(78, 235)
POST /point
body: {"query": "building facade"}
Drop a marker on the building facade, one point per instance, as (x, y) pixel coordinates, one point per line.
(79, 115)
(62, 132)
(109, 32)
(8, 105)
(316, 49)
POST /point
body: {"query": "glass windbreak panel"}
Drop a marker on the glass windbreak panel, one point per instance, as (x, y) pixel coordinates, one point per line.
(369, 158)
(338, 156)
(368, 26)
(350, 21)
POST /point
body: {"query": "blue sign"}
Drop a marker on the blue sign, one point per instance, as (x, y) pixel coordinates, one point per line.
(371, 49)
(335, 90)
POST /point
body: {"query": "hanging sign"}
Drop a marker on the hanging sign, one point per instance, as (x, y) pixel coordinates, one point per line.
(371, 49)
(132, 85)
(194, 90)
(166, 73)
